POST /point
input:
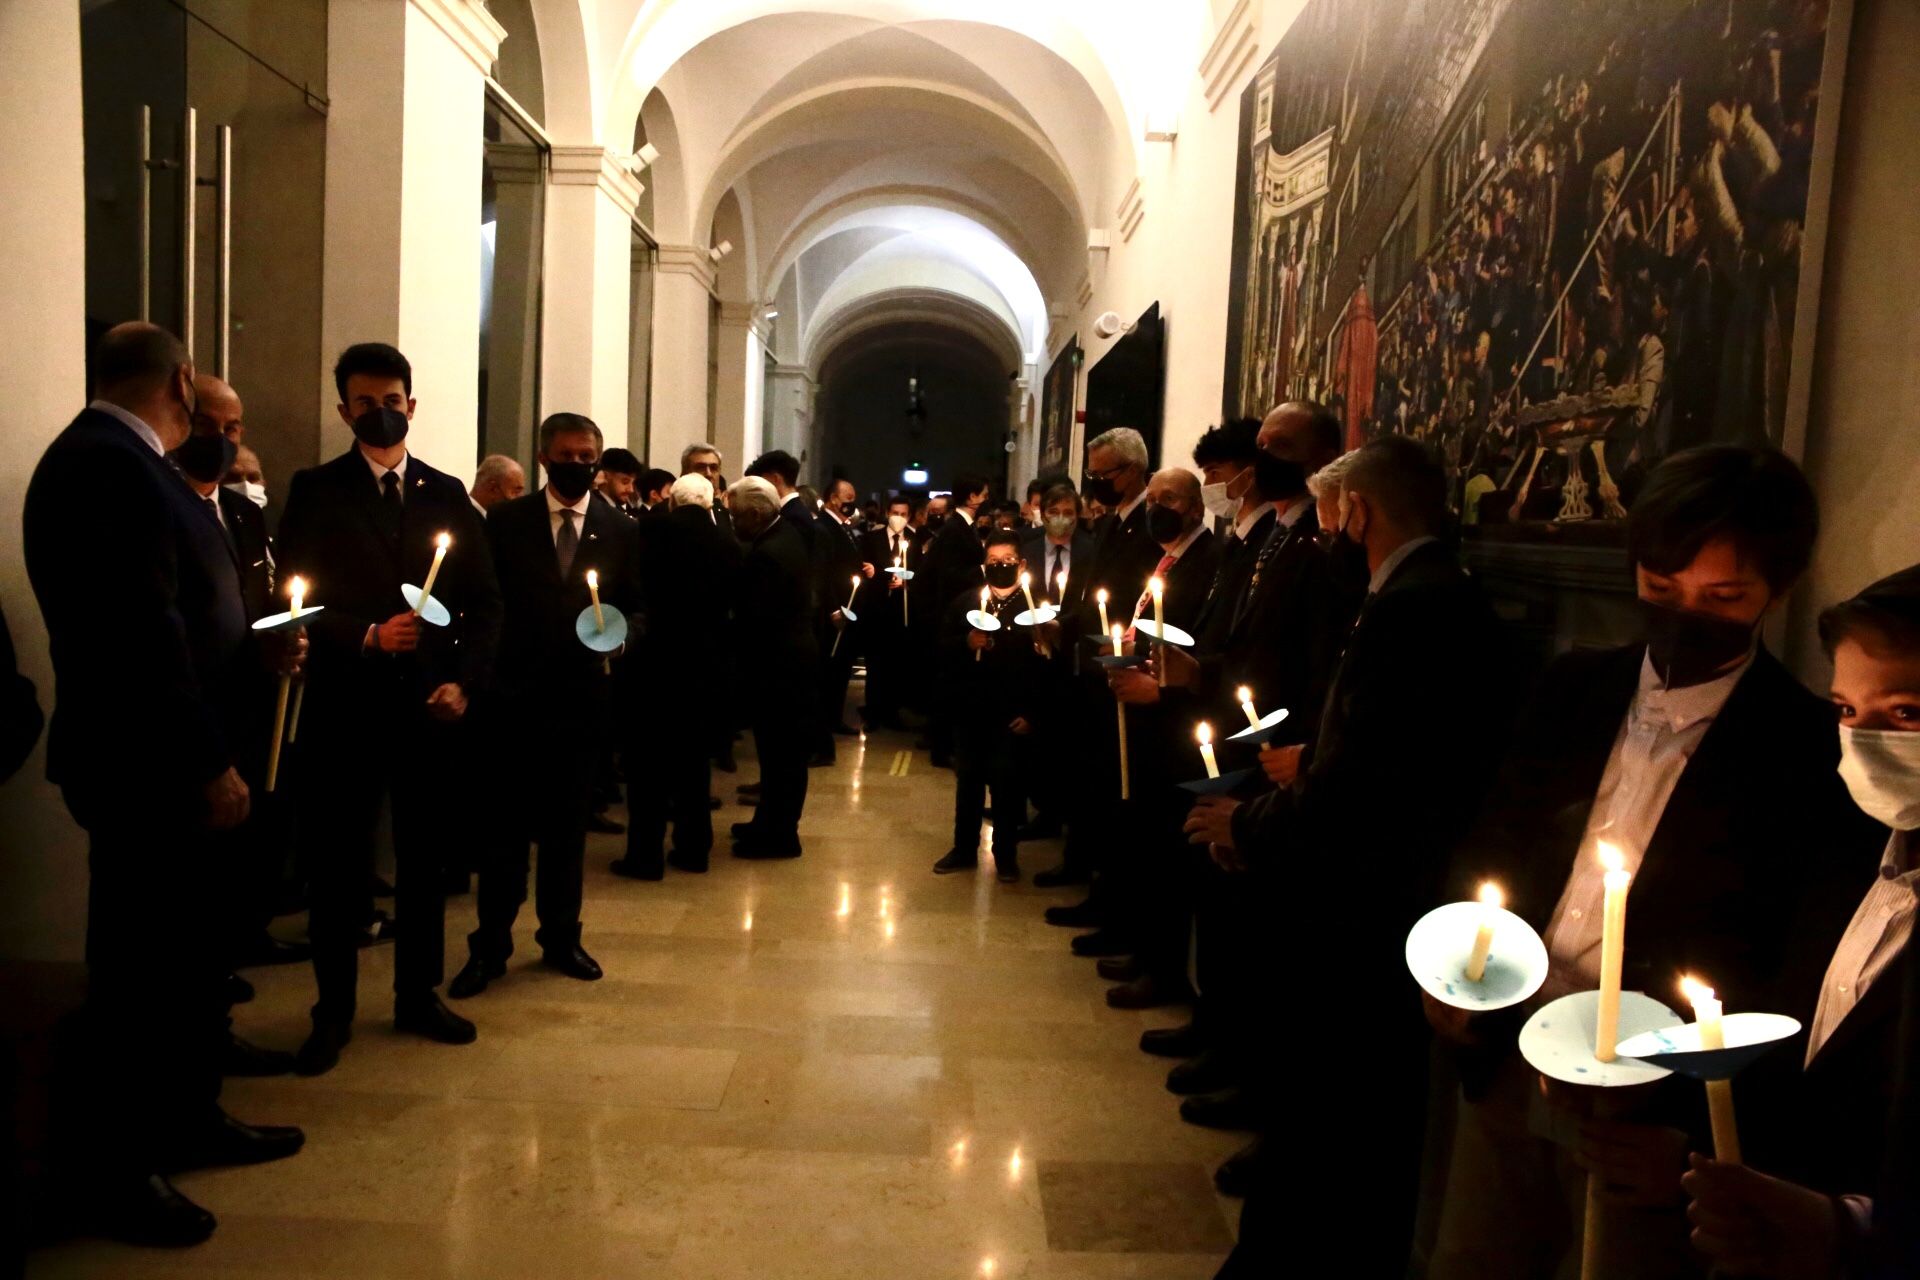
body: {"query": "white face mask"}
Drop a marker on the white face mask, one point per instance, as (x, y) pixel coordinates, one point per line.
(1214, 498)
(1881, 767)
(896, 523)
(254, 493)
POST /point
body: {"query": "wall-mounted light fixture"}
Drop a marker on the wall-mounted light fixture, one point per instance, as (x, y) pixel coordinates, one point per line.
(639, 161)
(1163, 126)
(720, 250)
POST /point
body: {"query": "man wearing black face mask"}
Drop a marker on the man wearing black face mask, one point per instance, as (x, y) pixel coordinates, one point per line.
(837, 554)
(548, 720)
(1711, 771)
(388, 693)
(144, 751)
(952, 567)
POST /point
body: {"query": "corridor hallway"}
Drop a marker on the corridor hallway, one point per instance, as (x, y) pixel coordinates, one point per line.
(833, 1068)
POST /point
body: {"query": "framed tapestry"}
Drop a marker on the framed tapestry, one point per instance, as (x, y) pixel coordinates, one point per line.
(1555, 239)
(1056, 409)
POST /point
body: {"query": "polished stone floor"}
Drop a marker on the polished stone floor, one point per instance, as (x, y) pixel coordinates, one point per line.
(838, 1067)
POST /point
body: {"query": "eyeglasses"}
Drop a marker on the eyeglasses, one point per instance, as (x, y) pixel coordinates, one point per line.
(1109, 473)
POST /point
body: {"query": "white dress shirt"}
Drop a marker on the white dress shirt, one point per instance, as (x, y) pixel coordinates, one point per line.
(134, 422)
(1243, 525)
(1877, 935)
(1051, 571)
(1124, 511)
(555, 508)
(1662, 729)
(399, 469)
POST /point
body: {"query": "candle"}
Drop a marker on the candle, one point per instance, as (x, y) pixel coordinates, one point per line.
(840, 634)
(1060, 585)
(900, 562)
(983, 608)
(854, 592)
(1120, 708)
(1203, 734)
(1246, 704)
(1490, 898)
(1026, 589)
(297, 588)
(593, 589)
(1159, 590)
(1706, 1013)
(440, 545)
(1613, 942)
(1101, 597)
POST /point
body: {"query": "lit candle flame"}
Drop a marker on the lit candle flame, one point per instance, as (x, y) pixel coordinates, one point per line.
(1244, 694)
(1491, 896)
(1026, 580)
(1062, 580)
(1156, 586)
(1100, 596)
(593, 579)
(1203, 733)
(1119, 637)
(443, 541)
(1611, 858)
(297, 588)
(1694, 990)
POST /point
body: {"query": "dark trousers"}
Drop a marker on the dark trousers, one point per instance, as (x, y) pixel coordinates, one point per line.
(836, 672)
(669, 777)
(156, 1015)
(550, 753)
(987, 758)
(885, 642)
(782, 739)
(1160, 880)
(405, 758)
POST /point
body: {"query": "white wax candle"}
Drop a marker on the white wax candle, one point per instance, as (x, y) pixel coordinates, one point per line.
(1026, 589)
(1613, 943)
(1203, 733)
(1490, 897)
(297, 589)
(1101, 597)
(1246, 705)
(593, 589)
(1707, 1013)
(440, 545)
(1060, 587)
(1159, 589)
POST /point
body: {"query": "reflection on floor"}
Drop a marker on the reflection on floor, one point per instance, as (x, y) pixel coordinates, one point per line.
(837, 1067)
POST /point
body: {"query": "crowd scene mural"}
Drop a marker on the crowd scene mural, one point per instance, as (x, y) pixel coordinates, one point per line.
(1558, 241)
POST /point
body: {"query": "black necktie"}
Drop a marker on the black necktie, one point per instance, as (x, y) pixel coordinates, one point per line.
(1059, 555)
(390, 502)
(567, 544)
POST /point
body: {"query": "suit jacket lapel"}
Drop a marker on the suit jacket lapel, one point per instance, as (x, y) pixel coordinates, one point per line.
(1882, 1001)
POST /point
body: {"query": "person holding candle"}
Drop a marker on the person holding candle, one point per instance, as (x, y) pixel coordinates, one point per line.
(950, 566)
(1061, 546)
(841, 563)
(993, 679)
(1821, 1156)
(145, 633)
(546, 720)
(886, 612)
(1710, 770)
(1401, 756)
(387, 694)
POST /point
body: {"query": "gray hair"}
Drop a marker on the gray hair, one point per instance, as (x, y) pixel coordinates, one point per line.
(691, 490)
(495, 467)
(1330, 481)
(1125, 441)
(698, 447)
(752, 493)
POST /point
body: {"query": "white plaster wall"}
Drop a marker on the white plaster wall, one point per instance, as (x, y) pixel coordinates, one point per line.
(679, 416)
(43, 856)
(585, 317)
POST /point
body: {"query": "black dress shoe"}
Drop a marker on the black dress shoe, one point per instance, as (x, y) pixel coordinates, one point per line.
(941, 760)
(725, 762)
(1039, 829)
(756, 849)
(457, 884)
(572, 961)
(225, 1141)
(151, 1212)
(244, 1058)
(634, 870)
(747, 799)
(1059, 877)
(1210, 1072)
(601, 824)
(428, 1016)
(1101, 942)
(1081, 915)
(688, 862)
(1239, 1171)
(741, 830)
(1228, 1109)
(239, 990)
(1148, 992)
(1006, 869)
(1183, 1041)
(265, 949)
(1118, 968)
(321, 1053)
(713, 804)
(953, 861)
(473, 977)
(822, 759)
(845, 730)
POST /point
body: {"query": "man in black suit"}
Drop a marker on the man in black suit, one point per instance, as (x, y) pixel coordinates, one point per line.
(687, 569)
(619, 482)
(551, 696)
(953, 558)
(886, 603)
(1124, 554)
(1058, 546)
(1394, 772)
(388, 692)
(779, 659)
(1818, 1171)
(782, 470)
(143, 748)
(1673, 752)
(837, 557)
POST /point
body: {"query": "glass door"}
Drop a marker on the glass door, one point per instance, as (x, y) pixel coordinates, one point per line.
(513, 191)
(640, 362)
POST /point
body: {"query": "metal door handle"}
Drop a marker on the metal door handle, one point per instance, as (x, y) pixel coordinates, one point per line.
(189, 182)
(223, 267)
(146, 207)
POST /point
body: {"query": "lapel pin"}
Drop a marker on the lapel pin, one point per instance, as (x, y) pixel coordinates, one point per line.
(419, 482)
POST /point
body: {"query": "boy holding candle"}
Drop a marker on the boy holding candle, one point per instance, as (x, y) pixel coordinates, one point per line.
(1710, 769)
(1829, 1143)
(387, 692)
(993, 682)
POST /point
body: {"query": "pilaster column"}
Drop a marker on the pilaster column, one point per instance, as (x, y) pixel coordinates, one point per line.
(682, 297)
(791, 392)
(585, 321)
(740, 389)
(405, 140)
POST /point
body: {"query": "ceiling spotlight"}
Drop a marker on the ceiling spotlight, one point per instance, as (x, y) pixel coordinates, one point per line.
(1163, 126)
(1111, 325)
(720, 250)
